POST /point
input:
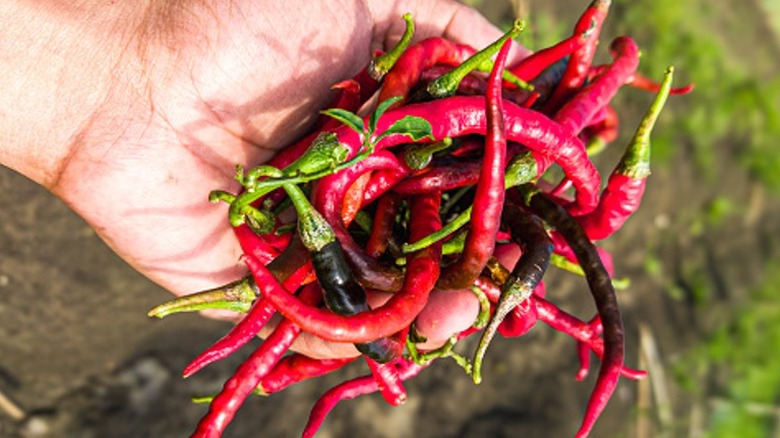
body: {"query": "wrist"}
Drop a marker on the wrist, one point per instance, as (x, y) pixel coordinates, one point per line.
(58, 73)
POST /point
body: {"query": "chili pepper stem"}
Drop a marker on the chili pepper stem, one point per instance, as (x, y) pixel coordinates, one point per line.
(635, 162)
(382, 64)
(237, 296)
(447, 84)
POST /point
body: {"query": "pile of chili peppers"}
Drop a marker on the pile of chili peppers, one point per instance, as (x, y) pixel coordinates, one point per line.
(448, 167)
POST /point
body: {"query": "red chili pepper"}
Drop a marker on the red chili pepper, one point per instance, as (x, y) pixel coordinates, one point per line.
(441, 178)
(353, 198)
(349, 390)
(642, 82)
(626, 184)
(579, 110)
(489, 195)
(252, 243)
(292, 272)
(382, 227)
(532, 66)
(417, 58)
(580, 61)
(381, 182)
(249, 374)
(295, 368)
(389, 382)
(422, 271)
(582, 331)
(463, 115)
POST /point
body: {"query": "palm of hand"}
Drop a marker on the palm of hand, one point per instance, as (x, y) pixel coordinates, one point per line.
(205, 95)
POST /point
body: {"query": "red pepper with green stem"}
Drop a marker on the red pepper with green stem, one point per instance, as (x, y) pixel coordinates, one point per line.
(626, 185)
(422, 271)
(489, 195)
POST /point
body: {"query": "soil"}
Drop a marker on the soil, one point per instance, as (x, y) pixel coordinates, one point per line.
(80, 357)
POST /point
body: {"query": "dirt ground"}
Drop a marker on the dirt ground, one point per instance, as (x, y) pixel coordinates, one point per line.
(80, 357)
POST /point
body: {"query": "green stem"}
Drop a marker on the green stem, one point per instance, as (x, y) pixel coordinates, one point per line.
(446, 84)
(483, 317)
(419, 155)
(237, 296)
(635, 162)
(508, 76)
(382, 64)
(314, 230)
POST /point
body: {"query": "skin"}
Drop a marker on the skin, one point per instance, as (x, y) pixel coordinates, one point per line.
(131, 112)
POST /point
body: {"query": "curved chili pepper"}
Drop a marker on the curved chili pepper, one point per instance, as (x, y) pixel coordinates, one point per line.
(578, 111)
(389, 382)
(295, 368)
(249, 374)
(532, 66)
(326, 198)
(353, 198)
(422, 271)
(528, 233)
(489, 196)
(348, 390)
(642, 82)
(343, 295)
(603, 293)
(458, 116)
(582, 331)
(626, 184)
(291, 268)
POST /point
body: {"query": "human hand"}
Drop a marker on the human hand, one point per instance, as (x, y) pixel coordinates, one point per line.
(182, 93)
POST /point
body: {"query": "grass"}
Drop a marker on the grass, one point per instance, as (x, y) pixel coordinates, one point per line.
(743, 398)
(732, 103)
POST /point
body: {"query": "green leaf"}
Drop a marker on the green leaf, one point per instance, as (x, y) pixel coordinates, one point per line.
(415, 127)
(381, 109)
(348, 118)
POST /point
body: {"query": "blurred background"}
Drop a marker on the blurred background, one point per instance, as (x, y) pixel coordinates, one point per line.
(79, 357)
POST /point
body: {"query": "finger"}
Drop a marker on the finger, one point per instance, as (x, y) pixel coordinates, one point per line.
(447, 313)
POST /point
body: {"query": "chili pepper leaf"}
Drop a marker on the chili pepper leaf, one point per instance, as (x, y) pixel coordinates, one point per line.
(415, 127)
(380, 110)
(348, 118)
